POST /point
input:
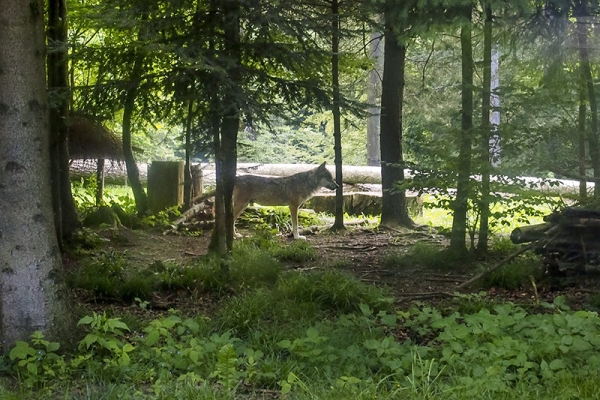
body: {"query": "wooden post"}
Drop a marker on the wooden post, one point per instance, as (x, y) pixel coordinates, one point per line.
(165, 185)
(99, 181)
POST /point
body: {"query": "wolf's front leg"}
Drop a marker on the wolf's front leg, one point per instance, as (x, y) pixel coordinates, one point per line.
(294, 215)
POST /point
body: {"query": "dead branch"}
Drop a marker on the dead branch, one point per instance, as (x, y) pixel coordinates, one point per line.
(421, 296)
(498, 265)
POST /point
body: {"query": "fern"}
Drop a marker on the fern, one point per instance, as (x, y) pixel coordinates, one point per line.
(226, 372)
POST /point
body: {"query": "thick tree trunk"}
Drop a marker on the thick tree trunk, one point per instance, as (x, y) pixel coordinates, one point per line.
(338, 223)
(463, 186)
(486, 165)
(394, 212)
(31, 298)
(65, 212)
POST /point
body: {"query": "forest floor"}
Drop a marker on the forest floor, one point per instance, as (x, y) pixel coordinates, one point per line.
(362, 252)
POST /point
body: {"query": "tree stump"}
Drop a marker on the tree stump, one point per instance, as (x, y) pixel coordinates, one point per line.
(197, 180)
(165, 185)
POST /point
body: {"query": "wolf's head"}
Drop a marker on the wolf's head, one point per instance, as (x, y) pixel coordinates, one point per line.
(325, 178)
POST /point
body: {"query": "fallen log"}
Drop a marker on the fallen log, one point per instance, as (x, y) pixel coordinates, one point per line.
(529, 233)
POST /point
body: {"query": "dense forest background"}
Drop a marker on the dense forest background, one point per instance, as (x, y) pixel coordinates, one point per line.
(536, 64)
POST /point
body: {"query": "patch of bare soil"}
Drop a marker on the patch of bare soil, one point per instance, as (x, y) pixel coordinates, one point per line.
(361, 252)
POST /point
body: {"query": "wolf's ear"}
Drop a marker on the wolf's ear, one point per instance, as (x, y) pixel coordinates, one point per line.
(322, 166)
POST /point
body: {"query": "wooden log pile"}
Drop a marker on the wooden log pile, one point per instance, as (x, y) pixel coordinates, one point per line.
(568, 241)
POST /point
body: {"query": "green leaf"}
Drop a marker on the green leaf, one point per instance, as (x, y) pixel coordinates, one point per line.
(284, 344)
(557, 364)
(456, 347)
(581, 345)
(21, 351)
(32, 368)
(312, 333)
(85, 320)
(52, 346)
(152, 337)
(285, 387)
(365, 309)
(389, 320)
(194, 356)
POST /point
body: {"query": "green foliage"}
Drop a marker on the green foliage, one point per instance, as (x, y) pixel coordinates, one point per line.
(495, 350)
(105, 339)
(162, 220)
(515, 274)
(298, 251)
(103, 274)
(273, 220)
(38, 363)
(513, 200)
(427, 255)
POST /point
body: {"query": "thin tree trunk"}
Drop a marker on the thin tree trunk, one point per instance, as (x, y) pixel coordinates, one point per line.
(99, 181)
(374, 99)
(581, 126)
(394, 212)
(581, 14)
(337, 125)
(460, 206)
(31, 296)
(187, 174)
(486, 166)
(133, 174)
(65, 212)
(226, 146)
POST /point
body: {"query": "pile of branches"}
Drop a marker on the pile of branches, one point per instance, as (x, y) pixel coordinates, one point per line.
(568, 241)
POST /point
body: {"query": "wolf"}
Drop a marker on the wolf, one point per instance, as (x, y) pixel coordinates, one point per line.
(292, 191)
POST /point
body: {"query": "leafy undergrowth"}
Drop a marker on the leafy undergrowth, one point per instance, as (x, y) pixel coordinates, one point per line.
(318, 334)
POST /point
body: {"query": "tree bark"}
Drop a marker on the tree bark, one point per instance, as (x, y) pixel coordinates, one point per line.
(133, 174)
(394, 212)
(187, 174)
(374, 100)
(486, 165)
(31, 297)
(338, 223)
(582, 13)
(65, 212)
(463, 186)
(228, 118)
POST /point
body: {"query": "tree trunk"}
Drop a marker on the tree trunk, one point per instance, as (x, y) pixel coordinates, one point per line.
(338, 224)
(187, 174)
(65, 212)
(486, 166)
(31, 298)
(581, 14)
(99, 181)
(463, 186)
(374, 100)
(394, 212)
(581, 126)
(133, 174)
(226, 146)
